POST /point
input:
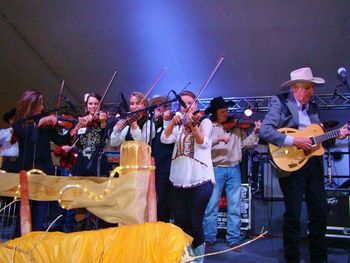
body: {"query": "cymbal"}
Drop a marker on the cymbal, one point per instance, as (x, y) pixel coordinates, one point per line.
(330, 124)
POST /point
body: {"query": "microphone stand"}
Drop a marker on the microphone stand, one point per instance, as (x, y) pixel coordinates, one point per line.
(340, 95)
(346, 84)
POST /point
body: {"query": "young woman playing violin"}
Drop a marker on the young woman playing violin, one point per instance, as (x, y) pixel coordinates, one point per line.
(226, 155)
(88, 134)
(191, 171)
(34, 136)
(136, 127)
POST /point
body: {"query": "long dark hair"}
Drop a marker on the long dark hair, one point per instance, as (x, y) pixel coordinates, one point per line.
(28, 103)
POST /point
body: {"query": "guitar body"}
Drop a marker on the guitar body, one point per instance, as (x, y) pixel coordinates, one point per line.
(290, 158)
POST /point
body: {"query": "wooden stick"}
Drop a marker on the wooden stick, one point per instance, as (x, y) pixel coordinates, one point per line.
(26, 219)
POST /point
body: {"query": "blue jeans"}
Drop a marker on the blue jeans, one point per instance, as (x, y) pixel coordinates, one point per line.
(230, 179)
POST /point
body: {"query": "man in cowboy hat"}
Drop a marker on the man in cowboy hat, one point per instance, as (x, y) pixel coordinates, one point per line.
(226, 153)
(9, 149)
(294, 109)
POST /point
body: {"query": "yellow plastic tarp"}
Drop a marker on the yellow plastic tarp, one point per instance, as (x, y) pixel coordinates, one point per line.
(149, 242)
(120, 200)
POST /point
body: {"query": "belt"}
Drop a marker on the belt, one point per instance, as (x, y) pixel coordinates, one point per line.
(10, 158)
(227, 165)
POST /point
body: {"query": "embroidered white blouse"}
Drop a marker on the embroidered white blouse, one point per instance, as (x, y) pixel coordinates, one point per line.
(191, 162)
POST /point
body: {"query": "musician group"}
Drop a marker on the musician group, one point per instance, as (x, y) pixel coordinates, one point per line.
(196, 157)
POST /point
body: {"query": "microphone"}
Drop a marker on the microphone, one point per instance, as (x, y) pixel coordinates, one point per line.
(179, 99)
(71, 105)
(342, 73)
(124, 103)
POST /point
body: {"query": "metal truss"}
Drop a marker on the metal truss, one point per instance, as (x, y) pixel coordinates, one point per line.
(262, 103)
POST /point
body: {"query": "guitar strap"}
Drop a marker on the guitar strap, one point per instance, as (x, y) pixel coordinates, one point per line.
(283, 98)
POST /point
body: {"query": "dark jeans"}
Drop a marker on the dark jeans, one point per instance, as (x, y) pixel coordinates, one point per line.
(165, 193)
(10, 165)
(190, 205)
(39, 211)
(67, 222)
(308, 182)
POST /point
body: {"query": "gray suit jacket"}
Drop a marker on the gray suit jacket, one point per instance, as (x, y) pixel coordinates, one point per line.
(283, 114)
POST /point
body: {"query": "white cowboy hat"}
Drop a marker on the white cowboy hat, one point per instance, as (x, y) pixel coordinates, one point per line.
(302, 75)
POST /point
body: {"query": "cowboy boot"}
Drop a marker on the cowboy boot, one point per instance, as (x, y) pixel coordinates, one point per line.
(198, 251)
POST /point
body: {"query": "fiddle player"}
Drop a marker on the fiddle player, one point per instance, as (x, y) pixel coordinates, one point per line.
(295, 110)
(191, 171)
(34, 134)
(136, 127)
(88, 134)
(162, 158)
(226, 157)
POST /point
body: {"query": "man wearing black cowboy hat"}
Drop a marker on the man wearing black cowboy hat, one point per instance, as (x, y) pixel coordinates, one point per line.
(9, 149)
(226, 153)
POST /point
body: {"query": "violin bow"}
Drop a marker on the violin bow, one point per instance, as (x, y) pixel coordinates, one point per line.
(215, 69)
(105, 93)
(154, 83)
(60, 98)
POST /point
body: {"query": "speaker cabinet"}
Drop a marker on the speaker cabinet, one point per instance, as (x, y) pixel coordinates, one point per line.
(272, 189)
(338, 219)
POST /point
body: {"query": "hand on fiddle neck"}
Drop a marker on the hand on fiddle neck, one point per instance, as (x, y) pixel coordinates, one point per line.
(83, 121)
(257, 127)
(167, 115)
(103, 119)
(50, 120)
(193, 125)
(176, 120)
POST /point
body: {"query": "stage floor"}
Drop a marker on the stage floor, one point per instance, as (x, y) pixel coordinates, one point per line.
(270, 250)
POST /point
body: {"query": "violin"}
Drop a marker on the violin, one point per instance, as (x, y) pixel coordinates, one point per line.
(140, 117)
(66, 121)
(233, 122)
(197, 117)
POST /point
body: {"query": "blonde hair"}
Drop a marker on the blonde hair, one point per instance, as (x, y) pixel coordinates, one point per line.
(140, 97)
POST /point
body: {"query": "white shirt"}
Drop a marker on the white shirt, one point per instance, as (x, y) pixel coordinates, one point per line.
(8, 149)
(191, 162)
(117, 138)
(230, 153)
(304, 121)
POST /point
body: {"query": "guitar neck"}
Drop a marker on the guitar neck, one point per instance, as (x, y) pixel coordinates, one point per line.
(328, 135)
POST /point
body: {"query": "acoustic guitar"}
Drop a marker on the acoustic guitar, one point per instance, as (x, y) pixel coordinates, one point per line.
(291, 158)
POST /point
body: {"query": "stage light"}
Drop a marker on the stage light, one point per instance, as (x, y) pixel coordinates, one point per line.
(248, 112)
